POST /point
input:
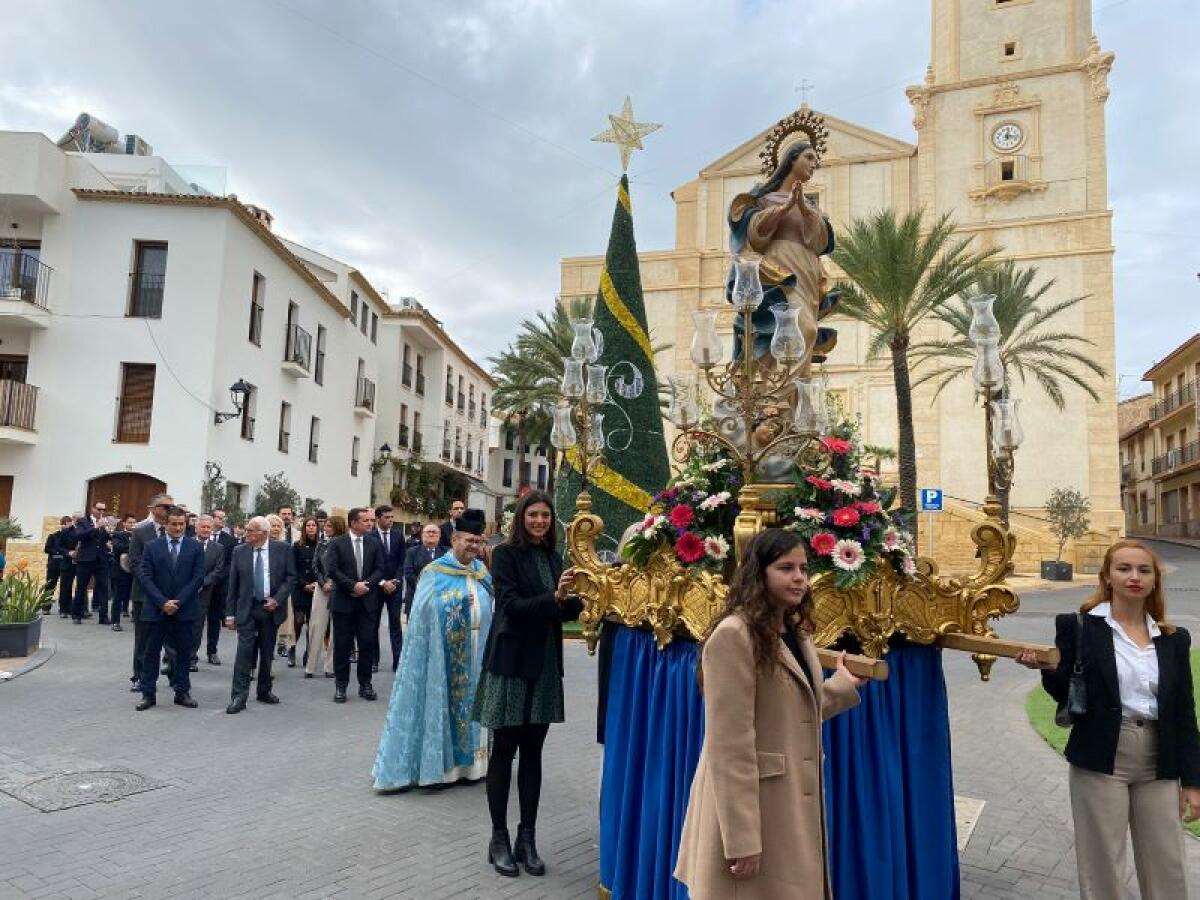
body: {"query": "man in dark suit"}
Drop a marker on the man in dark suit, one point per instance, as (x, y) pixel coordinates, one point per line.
(456, 510)
(216, 611)
(90, 539)
(214, 576)
(418, 558)
(391, 588)
(60, 569)
(144, 534)
(171, 572)
(261, 578)
(354, 562)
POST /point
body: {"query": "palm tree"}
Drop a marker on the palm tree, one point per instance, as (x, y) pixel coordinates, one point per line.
(1049, 357)
(897, 273)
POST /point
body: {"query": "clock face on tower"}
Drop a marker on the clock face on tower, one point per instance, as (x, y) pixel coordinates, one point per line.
(1007, 136)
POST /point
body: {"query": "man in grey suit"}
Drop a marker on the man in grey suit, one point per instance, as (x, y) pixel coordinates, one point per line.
(261, 577)
(214, 577)
(148, 530)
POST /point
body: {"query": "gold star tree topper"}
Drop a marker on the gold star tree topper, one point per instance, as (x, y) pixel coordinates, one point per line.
(626, 133)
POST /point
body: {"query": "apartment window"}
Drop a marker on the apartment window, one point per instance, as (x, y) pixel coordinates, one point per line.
(508, 439)
(420, 375)
(258, 291)
(449, 385)
(1006, 170)
(416, 432)
(374, 328)
(406, 372)
(314, 438)
(285, 425)
(458, 446)
(364, 319)
(483, 409)
(403, 440)
(524, 470)
(248, 412)
(541, 477)
(147, 280)
(136, 403)
(319, 370)
(1010, 49)
(446, 441)
(354, 307)
(508, 472)
(480, 456)
(355, 443)
(461, 396)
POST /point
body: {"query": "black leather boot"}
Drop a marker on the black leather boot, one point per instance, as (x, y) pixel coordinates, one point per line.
(525, 852)
(500, 854)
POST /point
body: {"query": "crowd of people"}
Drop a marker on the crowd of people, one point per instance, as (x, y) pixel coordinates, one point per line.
(476, 638)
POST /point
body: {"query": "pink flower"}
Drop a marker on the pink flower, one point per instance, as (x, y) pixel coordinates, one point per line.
(910, 565)
(868, 507)
(819, 483)
(843, 486)
(808, 512)
(848, 556)
(822, 543)
(689, 547)
(845, 517)
(891, 540)
(682, 516)
(716, 547)
(835, 444)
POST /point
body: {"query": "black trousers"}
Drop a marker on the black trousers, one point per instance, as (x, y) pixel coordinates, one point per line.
(140, 633)
(84, 573)
(256, 646)
(361, 625)
(178, 632)
(216, 618)
(122, 587)
(66, 581)
(395, 606)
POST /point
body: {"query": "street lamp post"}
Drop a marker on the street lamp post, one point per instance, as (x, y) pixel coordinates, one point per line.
(238, 392)
(1002, 429)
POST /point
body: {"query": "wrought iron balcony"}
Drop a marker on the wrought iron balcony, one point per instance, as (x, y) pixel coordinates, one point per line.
(403, 439)
(1173, 401)
(297, 352)
(420, 384)
(364, 397)
(1176, 459)
(18, 412)
(24, 285)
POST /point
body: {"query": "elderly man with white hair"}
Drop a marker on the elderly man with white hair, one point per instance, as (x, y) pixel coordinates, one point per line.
(261, 578)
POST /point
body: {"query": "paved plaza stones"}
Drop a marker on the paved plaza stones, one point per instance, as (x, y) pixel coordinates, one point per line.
(277, 802)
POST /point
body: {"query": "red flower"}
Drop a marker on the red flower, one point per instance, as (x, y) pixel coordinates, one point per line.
(868, 507)
(819, 483)
(689, 547)
(835, 444)
(822, 543)
(682, 516)
(845, 517)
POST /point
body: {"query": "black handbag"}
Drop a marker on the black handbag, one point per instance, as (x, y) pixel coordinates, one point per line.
(1076, 705)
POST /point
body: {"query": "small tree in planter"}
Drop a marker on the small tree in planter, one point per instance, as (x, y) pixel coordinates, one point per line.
(11, 530)
(274, 492)
(1069, 513)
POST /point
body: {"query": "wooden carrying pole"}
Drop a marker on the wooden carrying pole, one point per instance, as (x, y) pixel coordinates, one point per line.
(862, 666)
(973, 643)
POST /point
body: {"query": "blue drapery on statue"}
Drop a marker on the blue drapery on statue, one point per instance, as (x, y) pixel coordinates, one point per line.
(889, 787)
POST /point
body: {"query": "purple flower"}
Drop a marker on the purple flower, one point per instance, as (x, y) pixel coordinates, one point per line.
(866, 534)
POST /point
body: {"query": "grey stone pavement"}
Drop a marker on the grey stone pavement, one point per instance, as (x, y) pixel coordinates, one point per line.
(277, 801)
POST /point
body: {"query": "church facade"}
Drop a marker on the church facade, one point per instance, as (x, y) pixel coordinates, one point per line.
(1010, 140)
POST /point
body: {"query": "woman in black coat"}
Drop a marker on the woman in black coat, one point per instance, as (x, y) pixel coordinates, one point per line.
(304, 557)
(520, 688)
(1135, 752)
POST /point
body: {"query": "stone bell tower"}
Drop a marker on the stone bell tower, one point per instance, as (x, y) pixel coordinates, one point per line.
(1011, 142)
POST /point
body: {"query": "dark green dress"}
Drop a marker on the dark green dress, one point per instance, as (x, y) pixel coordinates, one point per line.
(504, 701)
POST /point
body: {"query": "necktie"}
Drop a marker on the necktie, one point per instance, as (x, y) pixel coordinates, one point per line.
(258, 595)
(174, 552)
(162, 531)
(358, 562)
(387, 541)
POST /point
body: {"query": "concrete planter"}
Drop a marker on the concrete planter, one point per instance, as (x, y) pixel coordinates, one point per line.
(1057, 571)
(21, 640)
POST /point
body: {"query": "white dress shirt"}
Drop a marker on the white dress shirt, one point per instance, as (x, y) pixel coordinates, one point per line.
(1137, 668)
(266, 559)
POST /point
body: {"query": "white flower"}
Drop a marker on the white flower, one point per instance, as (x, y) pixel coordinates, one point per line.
(715, 500)
(848, 555)
(846, 487)
(716, 466)
(891, 540)
(909, 565)
(808, 512)
(716, 547)
(651, 522)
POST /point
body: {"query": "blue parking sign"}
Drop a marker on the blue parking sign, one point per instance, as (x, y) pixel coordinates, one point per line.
(931, 499)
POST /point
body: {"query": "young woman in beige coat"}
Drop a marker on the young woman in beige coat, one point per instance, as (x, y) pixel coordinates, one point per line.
(755, 824)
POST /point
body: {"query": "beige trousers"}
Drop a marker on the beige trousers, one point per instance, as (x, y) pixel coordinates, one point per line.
(287, 631)
(1133, 800)
(318, 622)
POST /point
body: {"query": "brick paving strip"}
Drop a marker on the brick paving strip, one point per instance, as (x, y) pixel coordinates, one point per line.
(277, 801)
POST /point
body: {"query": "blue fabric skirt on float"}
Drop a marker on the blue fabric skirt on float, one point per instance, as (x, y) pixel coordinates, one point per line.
(889, 787)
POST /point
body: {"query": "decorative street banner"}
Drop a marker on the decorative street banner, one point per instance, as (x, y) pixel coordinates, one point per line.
(635, 464)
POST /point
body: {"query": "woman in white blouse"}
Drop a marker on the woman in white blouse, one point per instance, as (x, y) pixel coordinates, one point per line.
(1135, 753)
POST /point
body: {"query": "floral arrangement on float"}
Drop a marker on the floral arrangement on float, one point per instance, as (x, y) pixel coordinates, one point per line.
(844, 516)
(693, 515)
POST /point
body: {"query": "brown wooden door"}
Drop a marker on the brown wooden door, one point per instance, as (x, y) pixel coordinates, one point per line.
(124, 492)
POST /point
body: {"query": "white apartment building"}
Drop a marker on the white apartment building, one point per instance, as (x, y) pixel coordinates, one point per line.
(132, 298)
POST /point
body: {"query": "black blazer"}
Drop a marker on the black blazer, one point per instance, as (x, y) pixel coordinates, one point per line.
(90, 541)
(393, 561)
(240, 596)
(415, 560)
(143, 535)
(161, 581)
(340, 567)
(214, 571)
(1093, 741)
(525, 612)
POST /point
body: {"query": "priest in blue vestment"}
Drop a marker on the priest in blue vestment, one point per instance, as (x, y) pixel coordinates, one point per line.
(428, 737)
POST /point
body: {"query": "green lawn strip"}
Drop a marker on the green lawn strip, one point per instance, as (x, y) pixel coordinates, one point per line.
(1039, 706)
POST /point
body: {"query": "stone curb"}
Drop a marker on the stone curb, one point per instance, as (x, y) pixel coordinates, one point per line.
(1178, 542)
(39, 659)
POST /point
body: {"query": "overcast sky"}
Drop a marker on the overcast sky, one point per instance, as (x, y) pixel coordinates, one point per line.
(444, 148)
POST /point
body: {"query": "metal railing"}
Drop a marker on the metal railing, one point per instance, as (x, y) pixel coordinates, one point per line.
(1172, 401)
(1176, 458)
(298, 347)
(146, 294)
(364, 396)
(416, 442)
(18, 404)
(23, 277)
(403, 440)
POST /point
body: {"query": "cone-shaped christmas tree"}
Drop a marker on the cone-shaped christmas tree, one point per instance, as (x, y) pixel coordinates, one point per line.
(635, 464)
